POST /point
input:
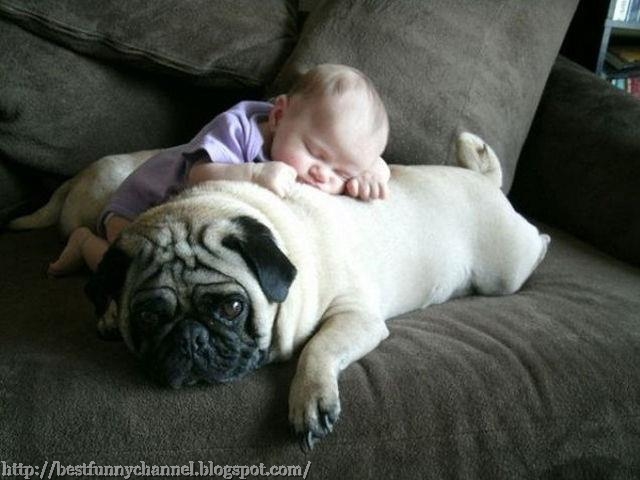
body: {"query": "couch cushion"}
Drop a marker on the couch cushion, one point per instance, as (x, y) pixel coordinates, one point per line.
(222, 43)
(541, 384)
(572, 153)
(442, 66)
(15, 191)
(60, 111)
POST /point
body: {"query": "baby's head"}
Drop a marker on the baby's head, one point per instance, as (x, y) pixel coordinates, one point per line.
(330, 127)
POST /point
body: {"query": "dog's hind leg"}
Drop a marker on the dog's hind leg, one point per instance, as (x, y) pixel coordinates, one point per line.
(47, 215)
(475, 154)
(511, 263)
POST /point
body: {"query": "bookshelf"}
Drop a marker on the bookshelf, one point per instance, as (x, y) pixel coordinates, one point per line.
(619, 55)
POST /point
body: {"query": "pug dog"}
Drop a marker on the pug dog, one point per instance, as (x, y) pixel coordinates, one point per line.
(227, 276)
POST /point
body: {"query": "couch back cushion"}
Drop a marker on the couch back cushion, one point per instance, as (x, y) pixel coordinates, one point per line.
(442, 67)
(60, 111)
(221, 43)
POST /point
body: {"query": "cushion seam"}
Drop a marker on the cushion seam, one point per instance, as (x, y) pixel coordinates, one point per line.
(158, 57)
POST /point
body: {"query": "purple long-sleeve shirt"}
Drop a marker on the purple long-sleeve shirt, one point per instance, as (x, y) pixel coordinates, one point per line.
(232, 137)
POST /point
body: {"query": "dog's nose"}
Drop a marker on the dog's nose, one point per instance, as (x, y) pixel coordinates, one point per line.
(194, 337)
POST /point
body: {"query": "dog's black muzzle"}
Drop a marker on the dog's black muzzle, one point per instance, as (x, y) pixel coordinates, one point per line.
(193, 352)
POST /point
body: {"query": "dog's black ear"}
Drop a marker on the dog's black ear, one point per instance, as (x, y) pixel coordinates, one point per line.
(106, 283)
(269, 264)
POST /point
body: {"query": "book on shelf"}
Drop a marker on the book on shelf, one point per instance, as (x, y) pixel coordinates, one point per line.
(630, 85)
(621, 61)
(634, 86)
(626, 53)
(626, 11)
(634, 11)
(620, 10)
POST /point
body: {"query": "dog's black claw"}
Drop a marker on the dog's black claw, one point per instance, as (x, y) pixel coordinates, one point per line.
(307, 442)
(109, 335)
(302, 444)
(312, 431)
(327, 424)
(312, 440)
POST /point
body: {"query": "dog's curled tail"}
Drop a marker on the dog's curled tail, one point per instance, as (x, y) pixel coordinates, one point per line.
(47, 215)
(475, 154)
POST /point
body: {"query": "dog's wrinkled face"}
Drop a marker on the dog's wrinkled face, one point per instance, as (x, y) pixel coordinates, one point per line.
(198, 303)
(193, 326)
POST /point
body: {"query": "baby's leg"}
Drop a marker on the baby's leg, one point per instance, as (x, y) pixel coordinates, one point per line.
(83, 248)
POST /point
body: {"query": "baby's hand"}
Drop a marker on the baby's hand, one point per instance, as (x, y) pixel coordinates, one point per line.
(276, 176)
(370, 185)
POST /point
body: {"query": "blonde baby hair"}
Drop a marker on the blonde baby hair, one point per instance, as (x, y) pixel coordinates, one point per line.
(333, 79)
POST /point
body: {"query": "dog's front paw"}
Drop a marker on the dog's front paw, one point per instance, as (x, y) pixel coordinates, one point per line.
(314, 408)
(108, 323)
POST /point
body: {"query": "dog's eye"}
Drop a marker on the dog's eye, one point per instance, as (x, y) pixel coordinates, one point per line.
(231, 308)
(148, 318)
(150, 311)
(222, 307)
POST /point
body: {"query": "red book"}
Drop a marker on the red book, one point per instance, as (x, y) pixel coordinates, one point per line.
(634, 86)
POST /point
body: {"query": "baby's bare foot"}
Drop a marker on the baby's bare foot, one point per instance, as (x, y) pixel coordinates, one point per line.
(70, 260)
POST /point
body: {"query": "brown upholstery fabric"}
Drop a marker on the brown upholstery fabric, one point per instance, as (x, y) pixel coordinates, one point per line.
(222, 43)
(581, 167)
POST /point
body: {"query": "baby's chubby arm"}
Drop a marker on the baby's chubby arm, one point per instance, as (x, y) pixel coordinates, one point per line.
(276, 176)
(372, 184)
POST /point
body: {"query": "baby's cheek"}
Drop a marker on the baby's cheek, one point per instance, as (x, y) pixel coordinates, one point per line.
(293, 161)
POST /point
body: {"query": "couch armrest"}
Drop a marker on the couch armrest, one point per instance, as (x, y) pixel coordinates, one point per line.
(580, 166)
